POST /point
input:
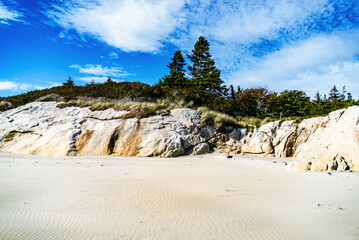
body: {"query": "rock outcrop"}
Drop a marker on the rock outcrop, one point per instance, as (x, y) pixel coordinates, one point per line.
(334, 145)
(42, 128)
(318, 144)
(328, 143)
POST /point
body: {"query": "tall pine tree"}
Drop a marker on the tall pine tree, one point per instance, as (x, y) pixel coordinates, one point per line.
(205, 75)
(176, 78)
(317, 97)
(334, 94)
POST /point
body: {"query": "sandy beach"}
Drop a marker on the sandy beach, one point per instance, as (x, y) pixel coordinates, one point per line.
(192, 197)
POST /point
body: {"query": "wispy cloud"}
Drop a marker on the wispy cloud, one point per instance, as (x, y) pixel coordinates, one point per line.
(99, 73)
(94, 79)
(7, 14)
(341, 74)
(305, 65)
(14, 86)
(8, 85)
(249, 21)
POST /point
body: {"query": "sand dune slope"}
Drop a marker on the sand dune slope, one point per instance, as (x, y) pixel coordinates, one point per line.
(206, 197)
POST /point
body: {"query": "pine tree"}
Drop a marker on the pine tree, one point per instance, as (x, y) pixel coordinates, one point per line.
(69, 82)
(176, 78)
(205, 75)
(334, 94)
(317, 97)
(233, 95)
(109, 80)
(349, 97)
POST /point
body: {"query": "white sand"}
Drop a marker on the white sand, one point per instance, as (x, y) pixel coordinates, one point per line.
(203, 197)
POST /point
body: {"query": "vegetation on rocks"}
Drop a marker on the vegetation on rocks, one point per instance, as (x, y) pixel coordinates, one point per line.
(218, 120)
(135, 109)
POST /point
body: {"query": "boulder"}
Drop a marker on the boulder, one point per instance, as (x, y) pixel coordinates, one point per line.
(232, 146)
(298, 167)
(201, 148)
(238, 134)
(261, 141)
(191, 140)
(208, 132)
(174, 148)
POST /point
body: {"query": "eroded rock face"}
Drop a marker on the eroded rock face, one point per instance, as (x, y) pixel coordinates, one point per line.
(41, 128)
(334, 145)
(272, 139)
(281, 139)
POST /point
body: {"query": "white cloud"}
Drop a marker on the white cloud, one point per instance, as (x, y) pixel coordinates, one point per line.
(341, 74)
(13, 86)
(98, 70)
(314, 64)
(131, 25)
(8, 85)
(99, 73)
(95, 79)
(113, 55)
(7, 14)
(248, 21)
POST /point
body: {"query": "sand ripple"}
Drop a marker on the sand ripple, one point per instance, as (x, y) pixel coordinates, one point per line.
(184, 198)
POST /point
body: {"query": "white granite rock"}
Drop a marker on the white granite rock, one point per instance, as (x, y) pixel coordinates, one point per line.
(336, 137)
(42, 128)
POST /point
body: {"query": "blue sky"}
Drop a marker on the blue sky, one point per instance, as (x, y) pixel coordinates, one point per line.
(308, 45)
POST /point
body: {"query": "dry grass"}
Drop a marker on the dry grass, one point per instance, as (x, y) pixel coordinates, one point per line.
(251, 122)
(216, 119)
(135, 109)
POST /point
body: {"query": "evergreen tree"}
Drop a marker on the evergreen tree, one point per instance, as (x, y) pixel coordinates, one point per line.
(233, 95)
(109, 80)
(205, 75)
(176, 77)
(69, 82)
(334, 94)
(349, 97)
(293, 103)
(317, 97)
